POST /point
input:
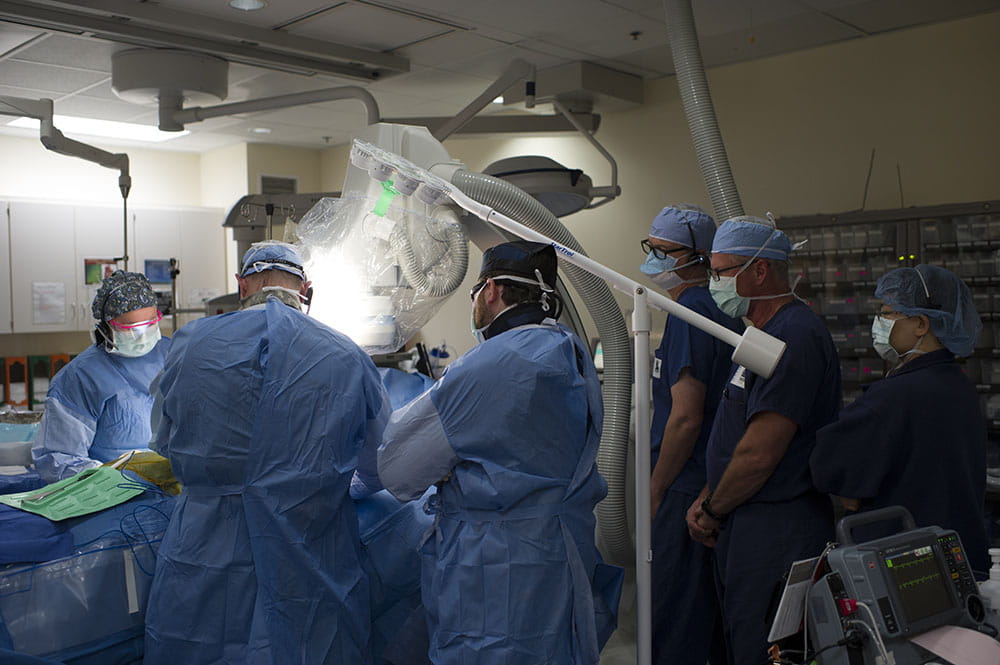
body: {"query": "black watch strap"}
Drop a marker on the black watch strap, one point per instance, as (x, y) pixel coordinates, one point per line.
(706, 508)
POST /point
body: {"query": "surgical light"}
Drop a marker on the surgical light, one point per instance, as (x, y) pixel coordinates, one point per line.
(562, 190)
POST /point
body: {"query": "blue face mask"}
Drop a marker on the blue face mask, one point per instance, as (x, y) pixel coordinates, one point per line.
(478, 334)
(654, 265)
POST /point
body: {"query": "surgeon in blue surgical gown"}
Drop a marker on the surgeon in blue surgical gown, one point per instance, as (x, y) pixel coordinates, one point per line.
(265, 416)
(510, 434)
(98, 406)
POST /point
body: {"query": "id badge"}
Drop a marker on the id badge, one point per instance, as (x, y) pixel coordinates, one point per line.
(739, 377)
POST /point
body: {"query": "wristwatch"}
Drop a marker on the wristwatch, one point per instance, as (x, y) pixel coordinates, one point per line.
(707, 509)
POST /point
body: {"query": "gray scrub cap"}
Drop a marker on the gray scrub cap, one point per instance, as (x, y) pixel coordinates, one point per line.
(122, 292)
(939, 295)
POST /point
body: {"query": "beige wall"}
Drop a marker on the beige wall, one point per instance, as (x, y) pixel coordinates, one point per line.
(28, 170)
(275, 160)
(799, 130)
(224, 180)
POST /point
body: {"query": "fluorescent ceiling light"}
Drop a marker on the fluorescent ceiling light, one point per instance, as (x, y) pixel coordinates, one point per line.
(247, 5)
(102, 128)
(498, 100)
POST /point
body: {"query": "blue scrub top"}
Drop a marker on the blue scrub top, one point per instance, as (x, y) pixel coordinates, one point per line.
(97, 407)
(805, 387)
(707, 359)
(916, 439)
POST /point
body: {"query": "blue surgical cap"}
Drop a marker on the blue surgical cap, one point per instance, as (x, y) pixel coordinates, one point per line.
(120, 293)
(745, 235)
(939, 295)
(684, 224)
(272, 255)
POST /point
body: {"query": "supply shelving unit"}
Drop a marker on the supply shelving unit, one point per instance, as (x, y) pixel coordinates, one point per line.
(848, 252)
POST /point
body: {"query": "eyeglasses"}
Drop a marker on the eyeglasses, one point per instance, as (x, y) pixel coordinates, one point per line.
(716, 274)
(140, 324)
(658, 252)
(890, 314)
(476, 289)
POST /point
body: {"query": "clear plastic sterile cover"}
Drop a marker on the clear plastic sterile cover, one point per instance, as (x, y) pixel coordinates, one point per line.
(381, 267)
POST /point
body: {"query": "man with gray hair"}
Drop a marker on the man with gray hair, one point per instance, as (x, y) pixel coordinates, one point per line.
(760, 509)
(273, 268)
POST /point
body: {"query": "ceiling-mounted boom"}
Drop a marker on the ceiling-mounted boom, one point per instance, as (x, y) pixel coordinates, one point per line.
(54, 140)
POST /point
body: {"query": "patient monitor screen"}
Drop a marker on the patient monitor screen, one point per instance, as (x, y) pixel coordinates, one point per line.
(921, 585)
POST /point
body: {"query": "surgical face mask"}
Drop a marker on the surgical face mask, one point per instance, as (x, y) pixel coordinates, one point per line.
(478, 334)
(135, 342)
(881, 331)
(729, 301)
(726, 298)
(290, 297)
(663, 272)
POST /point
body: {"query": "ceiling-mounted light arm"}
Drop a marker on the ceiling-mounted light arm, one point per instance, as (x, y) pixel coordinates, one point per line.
(516, 71)
(611, 191)
(54, 140)
(173, 118)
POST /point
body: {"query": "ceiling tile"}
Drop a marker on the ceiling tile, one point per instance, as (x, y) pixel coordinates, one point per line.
(12, 36)
(277, 12)
(369, 27)
(620, 34)
(69, 51)
(783, 36)
(49, 78)
(881, 15)
(449, 47)
(89, 107)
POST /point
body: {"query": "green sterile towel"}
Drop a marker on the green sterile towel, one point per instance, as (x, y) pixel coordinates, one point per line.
(89, 491)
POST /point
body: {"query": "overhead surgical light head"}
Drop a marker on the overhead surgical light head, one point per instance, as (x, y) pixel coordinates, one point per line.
(562, 190)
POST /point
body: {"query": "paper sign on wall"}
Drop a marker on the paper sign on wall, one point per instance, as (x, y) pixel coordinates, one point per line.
(48, 302)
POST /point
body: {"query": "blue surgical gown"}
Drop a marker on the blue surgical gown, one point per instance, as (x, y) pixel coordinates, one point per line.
(686, 614)
(265, 414)
(917, 439)
(97, 407)
(510, 570)
(788, 518)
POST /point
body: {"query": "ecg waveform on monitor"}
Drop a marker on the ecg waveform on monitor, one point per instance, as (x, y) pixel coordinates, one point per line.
(912, 562)
(917, 581)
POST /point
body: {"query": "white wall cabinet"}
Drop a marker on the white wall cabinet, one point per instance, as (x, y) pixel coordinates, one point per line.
(49, 244)
(6, 316)
(43, 267)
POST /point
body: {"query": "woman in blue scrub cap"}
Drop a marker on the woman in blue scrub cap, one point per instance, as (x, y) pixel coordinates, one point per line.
(917, 438)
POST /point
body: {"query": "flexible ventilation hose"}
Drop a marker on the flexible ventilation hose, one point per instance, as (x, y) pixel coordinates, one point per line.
(420, 278)
(700, 112)
(612, 455)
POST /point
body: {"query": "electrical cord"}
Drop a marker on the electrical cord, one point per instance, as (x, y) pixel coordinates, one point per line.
(873, 633)
(878, 634)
